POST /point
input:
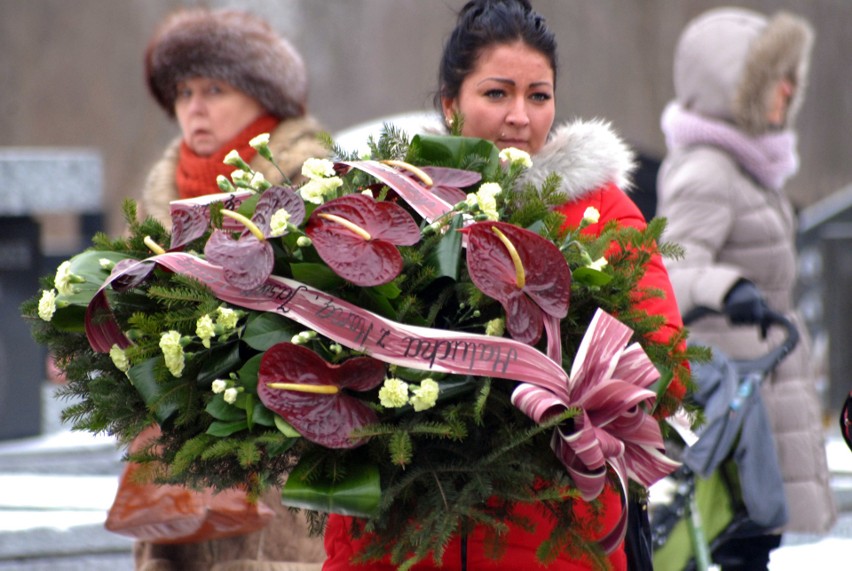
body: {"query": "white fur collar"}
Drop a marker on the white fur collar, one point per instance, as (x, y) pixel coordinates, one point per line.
(587, 155)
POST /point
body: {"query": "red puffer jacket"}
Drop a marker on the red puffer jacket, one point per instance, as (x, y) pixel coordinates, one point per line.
(520, 548)
(613, 204)
(593, 163)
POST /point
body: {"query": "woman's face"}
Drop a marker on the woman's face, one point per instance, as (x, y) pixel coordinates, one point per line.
(211, 112)
(508, 98)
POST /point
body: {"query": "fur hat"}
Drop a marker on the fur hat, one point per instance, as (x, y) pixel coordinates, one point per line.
(231, 46)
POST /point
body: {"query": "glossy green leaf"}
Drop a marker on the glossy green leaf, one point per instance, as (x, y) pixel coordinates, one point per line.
(248, 374)
(590, 277)
(456, 152)
(372, 300)
(220, 410)
(388, 290)
(221, 360)
(153, 392)
(358, 494)
(284, 427)
(71, 308)
(223, 429)
(262, 415)
(267, 329)
(446, 257)
(316, 275)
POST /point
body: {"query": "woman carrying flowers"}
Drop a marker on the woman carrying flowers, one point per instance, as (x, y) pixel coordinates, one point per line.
(237, 89)
(498, 79)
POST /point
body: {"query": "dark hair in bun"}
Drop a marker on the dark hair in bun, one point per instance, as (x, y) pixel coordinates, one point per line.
(485, 23)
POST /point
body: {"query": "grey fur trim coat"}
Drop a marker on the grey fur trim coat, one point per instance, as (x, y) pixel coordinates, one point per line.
(734, 228)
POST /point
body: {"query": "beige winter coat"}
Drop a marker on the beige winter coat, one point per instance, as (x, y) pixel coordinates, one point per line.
(284, 544)
(733, 228)
(291, 142)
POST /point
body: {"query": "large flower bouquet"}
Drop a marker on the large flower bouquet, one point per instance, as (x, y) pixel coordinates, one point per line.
(418, 346)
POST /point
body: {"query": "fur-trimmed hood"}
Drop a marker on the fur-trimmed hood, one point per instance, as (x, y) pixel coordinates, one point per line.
(232, 46)
(586, 155)
(728, 61)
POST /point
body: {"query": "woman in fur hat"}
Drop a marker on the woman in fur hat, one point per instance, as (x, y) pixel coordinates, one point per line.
(498, 73)
(227, 77)
(739, 80)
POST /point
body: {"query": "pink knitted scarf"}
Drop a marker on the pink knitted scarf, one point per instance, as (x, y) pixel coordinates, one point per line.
(770, 158)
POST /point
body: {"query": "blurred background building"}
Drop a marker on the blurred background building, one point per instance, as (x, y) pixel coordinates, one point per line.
(72, 76)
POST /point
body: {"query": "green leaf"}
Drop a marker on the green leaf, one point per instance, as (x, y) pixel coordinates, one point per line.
(284, 427)
(223, 359)
(371, 300)
(446, 257)
(662, 385)
(452, 151)
(357, 494)
(248, 374)
(267, 329)
(247, 404)
(388, 290)
(143, 378)
(223, 429)
(70, 319)
(590, 277)
(262, 415)
(71, 309)
(220, 410)
(319, 276)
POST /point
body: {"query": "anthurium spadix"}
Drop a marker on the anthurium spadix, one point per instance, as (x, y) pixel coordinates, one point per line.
(525, 272)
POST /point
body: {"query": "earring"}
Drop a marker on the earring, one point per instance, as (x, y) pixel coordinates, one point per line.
(450, 121)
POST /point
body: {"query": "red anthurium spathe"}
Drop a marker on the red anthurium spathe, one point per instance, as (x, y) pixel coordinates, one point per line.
(525, 272)
(609, 381)
(191, 216)
(447, 183)
(313, 395)
(271, 201)
(358, 236)
(410, 183)
(248, 260)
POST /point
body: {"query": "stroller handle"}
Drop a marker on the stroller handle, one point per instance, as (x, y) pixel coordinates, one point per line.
(765, 362)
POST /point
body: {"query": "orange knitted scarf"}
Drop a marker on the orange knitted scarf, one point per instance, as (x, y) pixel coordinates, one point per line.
(196, 175)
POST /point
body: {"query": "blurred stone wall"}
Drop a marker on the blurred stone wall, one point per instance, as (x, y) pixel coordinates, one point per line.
(72, 74)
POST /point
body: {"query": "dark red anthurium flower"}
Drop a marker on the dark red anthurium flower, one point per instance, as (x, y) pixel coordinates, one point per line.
(248, 260)
(358, 236)
(525, 272)
(188, 223)
(314, 395)
(447, 183)
(191, 217)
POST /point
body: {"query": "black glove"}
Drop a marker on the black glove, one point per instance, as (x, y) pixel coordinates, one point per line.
(744, 305)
